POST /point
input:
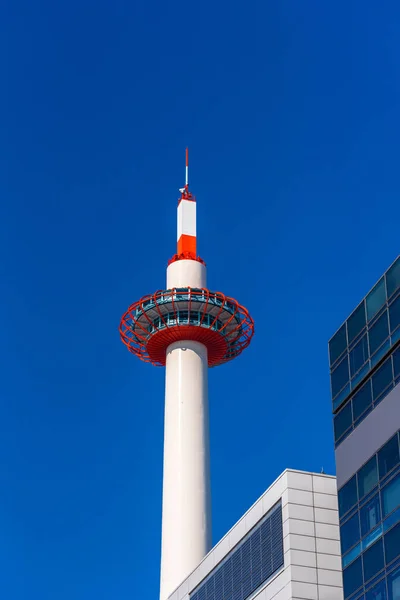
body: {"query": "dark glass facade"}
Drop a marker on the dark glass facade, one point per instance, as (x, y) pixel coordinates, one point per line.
(364, 359)
(369, 503)
(372, 391)
(370, 332)
(254, 560)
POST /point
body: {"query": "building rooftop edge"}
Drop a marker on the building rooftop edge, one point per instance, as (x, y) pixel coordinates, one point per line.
(363, 298)
(288, 470)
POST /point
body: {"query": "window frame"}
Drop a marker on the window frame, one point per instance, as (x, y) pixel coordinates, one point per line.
(345, 359)
(383, 318)
(374, 548)
(352, 335)
(379, 396)
(395, 441)
(378, 288)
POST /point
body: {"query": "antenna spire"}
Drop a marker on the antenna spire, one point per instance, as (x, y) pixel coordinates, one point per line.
(187, 169)
(185, 189)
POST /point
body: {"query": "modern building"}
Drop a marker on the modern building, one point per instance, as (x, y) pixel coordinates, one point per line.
(286, 546)
(364, 359)
(187, 328)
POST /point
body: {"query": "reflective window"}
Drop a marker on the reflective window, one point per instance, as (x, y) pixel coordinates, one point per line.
(396, 363)
(340, 376)
(351, 555)
(378, 592)
(380, 353)
(370, 515)
(361, 373)
(378, 333)
(391, 496)
(393, 278)
(347, 496)
(343, 421)
(388, 456)
(382, 379)
(338, 344)
(392, 544)
(349, 533)
(338, 401)
(376, 299)
(394, 314)
(359, 355)
(367, 477)
(393, 583)
(352, 578)
(373, 560)
(391, 520)
(362, 400)
(356, 322)
(372, 537)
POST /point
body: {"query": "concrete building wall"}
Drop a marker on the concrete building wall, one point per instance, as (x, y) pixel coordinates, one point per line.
(312, 563)
(311, 537)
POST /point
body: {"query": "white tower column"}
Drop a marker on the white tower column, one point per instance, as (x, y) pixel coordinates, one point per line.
(186, 515)
(186, 512)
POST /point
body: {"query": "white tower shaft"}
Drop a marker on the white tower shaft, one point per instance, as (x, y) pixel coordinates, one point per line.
(186, 512)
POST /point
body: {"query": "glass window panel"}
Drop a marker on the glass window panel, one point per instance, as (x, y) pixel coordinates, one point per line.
(352, 578)
(370, 515)
(373, 560)
(359, 355)
(376, 298)
(351, 555)
(367, 477)
(378, 592)
(388, 456)
(360, 375)
(372, 537)
(338, 344)
(340, 376)
(362, 400)
(394, 314)
(396, 363)
(381, 379)
(393, 584)
(391, 496)
(347, 496)
(378, 332)
(342, 421)
(395, 337)
(356, 322)
(392, 519)
(349, 533)
(338, 401)
(380, 353)
(393, 278)
(392, 544)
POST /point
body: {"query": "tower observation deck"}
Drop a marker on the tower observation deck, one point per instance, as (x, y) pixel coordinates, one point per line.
(186, 328)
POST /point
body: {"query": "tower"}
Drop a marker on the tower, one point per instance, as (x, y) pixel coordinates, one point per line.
(187, 328)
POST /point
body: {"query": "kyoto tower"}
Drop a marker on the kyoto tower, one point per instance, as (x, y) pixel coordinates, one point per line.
(187, 328)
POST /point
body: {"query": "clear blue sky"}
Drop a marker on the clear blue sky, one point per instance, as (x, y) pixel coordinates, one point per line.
(291, 112)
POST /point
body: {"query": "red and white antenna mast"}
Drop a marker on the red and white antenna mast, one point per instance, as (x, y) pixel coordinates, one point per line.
(187, 247)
